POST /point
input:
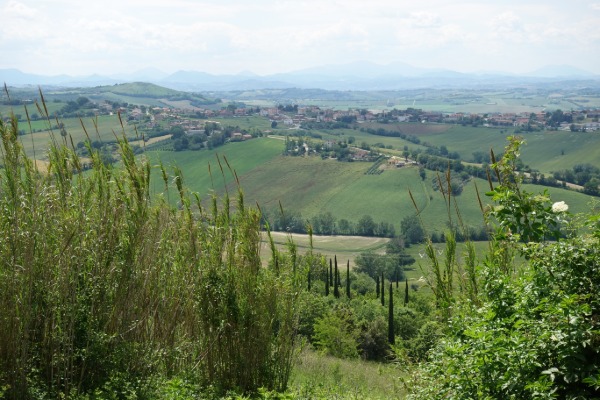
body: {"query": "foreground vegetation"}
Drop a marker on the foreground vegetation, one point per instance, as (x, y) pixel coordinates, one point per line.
(522, 333)
(105, 293)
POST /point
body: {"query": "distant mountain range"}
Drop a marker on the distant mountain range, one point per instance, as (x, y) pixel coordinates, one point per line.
(352, 76)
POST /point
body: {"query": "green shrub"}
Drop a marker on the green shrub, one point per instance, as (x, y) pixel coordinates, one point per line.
(312, 307)
(536, 333)
(373, 340)
(362, 283)
(336, 334)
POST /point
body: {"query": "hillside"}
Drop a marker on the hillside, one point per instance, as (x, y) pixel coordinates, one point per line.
(139, 93)
(311, 185)
(138, 89)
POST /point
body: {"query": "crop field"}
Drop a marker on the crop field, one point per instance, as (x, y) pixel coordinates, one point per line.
(347, 248)
(247, 122)
(310, 185)
(242, 157)
(5, 110)
(473, 101)
(359, 137)
(302, 184)
(542, 151)
(551, 151)
(123, 98)
(108, 126)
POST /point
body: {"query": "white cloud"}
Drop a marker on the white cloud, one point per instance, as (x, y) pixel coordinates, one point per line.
(422, 19)
(268, 36)
(15, 9)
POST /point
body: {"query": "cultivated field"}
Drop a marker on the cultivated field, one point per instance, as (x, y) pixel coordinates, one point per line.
(310, 185)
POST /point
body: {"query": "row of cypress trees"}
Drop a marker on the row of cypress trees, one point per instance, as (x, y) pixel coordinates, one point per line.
(332, 279)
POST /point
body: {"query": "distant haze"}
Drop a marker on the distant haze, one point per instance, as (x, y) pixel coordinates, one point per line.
(267, 37)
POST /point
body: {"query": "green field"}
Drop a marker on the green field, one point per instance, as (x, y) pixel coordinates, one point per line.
(242, 157)
(107, 127)
(310, 185)
(347, 248)
(247, 122)
(542, 151)
(6, 110)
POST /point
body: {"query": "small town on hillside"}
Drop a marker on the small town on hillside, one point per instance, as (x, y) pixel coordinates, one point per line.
(296, 117)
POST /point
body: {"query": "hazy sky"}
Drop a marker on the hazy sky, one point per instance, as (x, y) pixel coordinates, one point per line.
(267, 36)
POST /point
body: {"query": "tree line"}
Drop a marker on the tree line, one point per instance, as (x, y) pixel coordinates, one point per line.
(325, 223)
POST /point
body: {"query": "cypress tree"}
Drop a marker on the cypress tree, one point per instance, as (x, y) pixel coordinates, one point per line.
(377, 287)
(391, 334)
(326, 283)
(348, 279)
(382, 290)
(339, 275)
(406, 293)
(330, 273)
(397, 272)
(336, 285)
(309, 279)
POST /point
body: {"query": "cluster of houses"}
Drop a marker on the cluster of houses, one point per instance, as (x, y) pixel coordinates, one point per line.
(296, 117)
(539, 119)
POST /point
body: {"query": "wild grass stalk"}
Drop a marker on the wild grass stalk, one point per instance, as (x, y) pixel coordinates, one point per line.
(445, 272)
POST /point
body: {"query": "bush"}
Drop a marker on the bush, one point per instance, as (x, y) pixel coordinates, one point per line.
(373, 340)
(336, 334)
(536, 333)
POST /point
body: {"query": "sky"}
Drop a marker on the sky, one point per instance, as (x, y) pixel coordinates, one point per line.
(76, 37)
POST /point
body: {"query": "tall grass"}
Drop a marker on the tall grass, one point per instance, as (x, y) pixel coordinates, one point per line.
(99, 283)
(446, 276)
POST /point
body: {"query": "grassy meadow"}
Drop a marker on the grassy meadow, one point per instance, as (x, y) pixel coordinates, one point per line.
(318, 376)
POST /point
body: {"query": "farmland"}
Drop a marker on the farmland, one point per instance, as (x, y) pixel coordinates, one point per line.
(546, 151)
(310, 185)
(162, 276)
(515, 100)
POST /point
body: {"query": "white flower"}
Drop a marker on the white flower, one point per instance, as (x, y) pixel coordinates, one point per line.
(559, 207)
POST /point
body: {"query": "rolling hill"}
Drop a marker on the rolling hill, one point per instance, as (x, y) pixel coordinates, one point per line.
(311, 185)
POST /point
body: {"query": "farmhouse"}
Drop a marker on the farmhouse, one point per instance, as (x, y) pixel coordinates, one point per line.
(393, 160)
